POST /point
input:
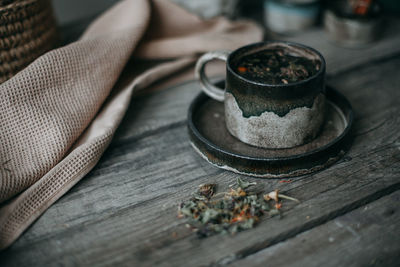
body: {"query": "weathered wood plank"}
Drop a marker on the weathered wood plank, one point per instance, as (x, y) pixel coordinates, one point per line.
(124, 212)
(149, 113)
(367, 236)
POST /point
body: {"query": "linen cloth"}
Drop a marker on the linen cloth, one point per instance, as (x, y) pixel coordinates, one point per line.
(59, 114)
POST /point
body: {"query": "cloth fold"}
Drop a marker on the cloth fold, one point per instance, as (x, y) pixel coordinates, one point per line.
(59, 114)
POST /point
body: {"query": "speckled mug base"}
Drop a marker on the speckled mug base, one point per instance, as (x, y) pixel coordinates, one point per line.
(270, 130)
(210, 138)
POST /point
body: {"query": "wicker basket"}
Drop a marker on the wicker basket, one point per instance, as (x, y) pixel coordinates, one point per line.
(27, 30)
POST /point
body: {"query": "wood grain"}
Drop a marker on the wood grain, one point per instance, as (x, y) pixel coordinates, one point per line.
(363, 237)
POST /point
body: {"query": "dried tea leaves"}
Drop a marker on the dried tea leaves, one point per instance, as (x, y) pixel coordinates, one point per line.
(274, 66)
(228, 212)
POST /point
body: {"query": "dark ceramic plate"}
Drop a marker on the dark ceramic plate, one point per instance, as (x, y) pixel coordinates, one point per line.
(214, 143)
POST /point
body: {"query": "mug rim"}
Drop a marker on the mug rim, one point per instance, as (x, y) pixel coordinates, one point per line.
(321, 71)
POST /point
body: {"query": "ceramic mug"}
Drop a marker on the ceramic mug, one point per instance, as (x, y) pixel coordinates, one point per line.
(269, 115)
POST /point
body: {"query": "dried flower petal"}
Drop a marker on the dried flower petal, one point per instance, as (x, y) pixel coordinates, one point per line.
(242, 69)
(272, 195)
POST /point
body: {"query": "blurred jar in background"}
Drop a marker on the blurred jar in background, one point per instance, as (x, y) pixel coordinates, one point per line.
(290, 16)
(210, 8)
(353, 23)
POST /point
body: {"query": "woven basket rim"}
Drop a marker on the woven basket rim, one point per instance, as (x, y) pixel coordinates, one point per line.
(26, 24)
(24, 50)
(23, 6)
(19, 3)
(27, 30)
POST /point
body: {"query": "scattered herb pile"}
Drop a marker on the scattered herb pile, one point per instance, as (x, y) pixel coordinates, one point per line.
(228, 212)
(274, 66)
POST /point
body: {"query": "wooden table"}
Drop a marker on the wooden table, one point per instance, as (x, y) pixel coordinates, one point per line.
(124, 213)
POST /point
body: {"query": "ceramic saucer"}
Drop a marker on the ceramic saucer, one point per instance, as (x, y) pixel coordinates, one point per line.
(210, 138)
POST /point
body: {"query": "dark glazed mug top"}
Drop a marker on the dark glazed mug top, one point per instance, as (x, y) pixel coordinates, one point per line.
(278, 98)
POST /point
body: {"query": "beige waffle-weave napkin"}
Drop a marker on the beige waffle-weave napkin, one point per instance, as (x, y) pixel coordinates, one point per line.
(58, 115)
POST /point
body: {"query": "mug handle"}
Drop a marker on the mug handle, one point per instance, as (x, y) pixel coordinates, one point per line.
(208, 88)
